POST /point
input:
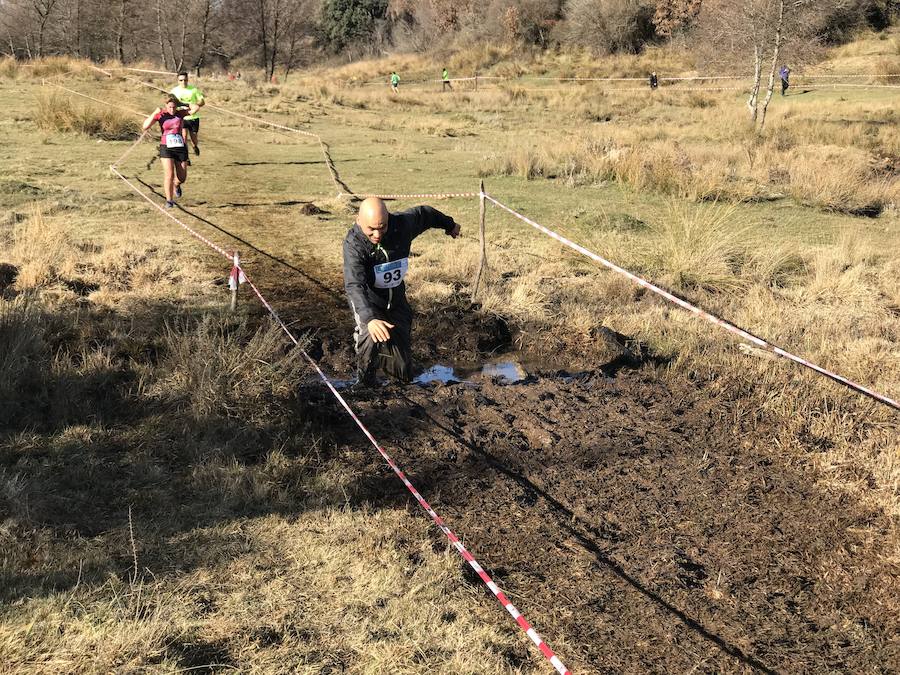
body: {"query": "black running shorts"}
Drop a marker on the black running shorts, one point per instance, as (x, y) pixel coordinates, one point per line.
(178, 154)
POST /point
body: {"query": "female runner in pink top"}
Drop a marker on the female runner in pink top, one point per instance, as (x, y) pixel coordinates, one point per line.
(172, 150)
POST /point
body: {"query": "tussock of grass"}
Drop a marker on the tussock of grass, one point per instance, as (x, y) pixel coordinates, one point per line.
(43, 250)
(9, 68)
(887, 69)
(837, 179)
(213, 368)
(60, 113)
(60, 65)
(699, 248)
(21, 351)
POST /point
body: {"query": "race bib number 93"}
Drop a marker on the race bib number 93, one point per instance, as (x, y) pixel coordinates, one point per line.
(391, 274)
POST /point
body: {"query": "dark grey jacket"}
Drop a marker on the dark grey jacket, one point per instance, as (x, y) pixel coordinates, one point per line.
(361, 256)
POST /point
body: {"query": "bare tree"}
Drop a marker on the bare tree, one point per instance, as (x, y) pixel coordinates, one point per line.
(159, 33)
(737, 33)
(204, 35)
(120, 31)
(43, 9)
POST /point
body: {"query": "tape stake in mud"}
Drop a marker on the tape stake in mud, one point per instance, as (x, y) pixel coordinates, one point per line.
(712, 318)
(451, 536)
(235, 278)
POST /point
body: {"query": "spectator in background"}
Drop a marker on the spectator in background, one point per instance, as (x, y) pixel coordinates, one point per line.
(395, 82)
(445, 81)
(785, 73)
(654, 81)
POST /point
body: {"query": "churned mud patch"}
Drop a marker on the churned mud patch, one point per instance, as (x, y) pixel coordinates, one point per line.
(644, 523)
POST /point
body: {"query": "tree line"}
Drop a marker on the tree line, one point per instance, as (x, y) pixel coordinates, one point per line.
(282, 35)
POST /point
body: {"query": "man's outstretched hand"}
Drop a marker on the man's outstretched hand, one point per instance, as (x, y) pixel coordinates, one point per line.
(378, 329)
(454, 231)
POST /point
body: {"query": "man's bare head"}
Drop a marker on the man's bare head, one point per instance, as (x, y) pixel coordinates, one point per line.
(373, 219)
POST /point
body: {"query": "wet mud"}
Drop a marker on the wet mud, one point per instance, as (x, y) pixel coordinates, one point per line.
(643, 526)
(642, 523)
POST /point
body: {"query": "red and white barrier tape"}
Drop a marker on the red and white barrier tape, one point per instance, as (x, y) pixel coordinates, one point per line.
(848, 75)
(236, 275)
(257, 120)
(434, 195)
(96, 100)
(722, 323)
(845, 85)
(328, 163)
(144, 70)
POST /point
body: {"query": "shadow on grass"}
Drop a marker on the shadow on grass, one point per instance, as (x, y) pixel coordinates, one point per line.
(325, 288)
(289, 163)
(95, 438)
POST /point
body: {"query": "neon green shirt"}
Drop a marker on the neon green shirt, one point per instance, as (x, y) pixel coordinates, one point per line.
(189, 95)
(395, 79)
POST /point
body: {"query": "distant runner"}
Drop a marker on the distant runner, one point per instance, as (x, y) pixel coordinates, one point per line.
(395, 82)
(376, 260)
(190, 95)
(654, 81)
(172, 149)
(445, 81)
(785, 73)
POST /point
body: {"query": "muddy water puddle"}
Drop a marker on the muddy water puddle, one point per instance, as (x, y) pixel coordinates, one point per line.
(508, 372)
(504, 372)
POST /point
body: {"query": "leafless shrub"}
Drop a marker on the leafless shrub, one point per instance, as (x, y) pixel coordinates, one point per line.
(610, 25)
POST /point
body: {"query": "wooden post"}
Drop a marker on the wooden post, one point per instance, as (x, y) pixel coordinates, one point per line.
(482, 263)
(476, 80)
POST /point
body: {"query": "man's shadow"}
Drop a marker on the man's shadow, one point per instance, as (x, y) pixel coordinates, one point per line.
(588, 536)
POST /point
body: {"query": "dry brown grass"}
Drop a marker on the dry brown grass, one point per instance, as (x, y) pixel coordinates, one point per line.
(9, 68)
(824, 163)
(59, 113)
(43, 251)
(839, 179)
(213, 368)
(21, 349)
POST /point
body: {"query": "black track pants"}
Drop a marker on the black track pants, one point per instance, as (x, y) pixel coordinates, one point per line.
(394, 357)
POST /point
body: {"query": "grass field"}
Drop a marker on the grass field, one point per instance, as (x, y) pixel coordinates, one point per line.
(173, 494)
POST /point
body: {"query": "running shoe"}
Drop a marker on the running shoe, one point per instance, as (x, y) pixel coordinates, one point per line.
(197, 150)
(178, 191)
(189, 162)
(170, 204)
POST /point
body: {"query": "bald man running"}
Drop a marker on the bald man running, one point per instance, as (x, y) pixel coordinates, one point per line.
(376, 259)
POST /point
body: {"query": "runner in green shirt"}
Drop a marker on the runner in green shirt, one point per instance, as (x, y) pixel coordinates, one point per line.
(445, 81)
(395, 81)
(190, 95)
